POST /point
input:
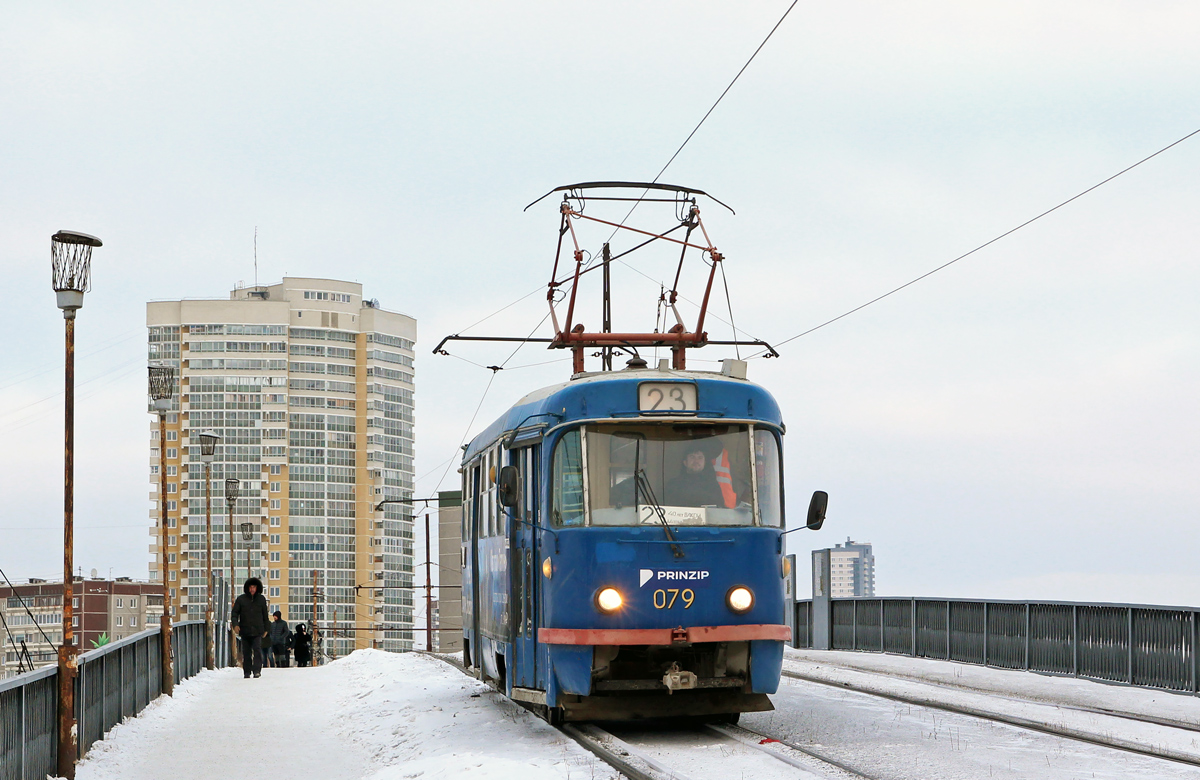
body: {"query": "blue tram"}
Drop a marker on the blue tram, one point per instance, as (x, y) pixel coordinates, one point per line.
(622, 546)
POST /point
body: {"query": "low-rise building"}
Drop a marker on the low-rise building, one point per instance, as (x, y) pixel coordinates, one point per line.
(103, 611)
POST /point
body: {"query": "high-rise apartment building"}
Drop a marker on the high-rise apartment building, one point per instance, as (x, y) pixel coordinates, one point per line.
(851, 570)
(311, 389)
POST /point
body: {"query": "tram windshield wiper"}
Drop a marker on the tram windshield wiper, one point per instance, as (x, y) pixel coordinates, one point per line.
(645, 491)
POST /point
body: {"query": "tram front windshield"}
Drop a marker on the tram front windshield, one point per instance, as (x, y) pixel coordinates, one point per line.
(683, 474)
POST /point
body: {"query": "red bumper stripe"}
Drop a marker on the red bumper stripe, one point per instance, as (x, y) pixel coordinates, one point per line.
(660, 636)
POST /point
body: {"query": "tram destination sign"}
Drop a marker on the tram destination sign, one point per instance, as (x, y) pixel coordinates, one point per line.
(666, 397)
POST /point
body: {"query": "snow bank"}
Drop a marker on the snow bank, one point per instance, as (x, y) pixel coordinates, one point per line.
(416, 716)
(372, 715)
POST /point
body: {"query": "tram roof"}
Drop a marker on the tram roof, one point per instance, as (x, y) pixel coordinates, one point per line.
(613, 395)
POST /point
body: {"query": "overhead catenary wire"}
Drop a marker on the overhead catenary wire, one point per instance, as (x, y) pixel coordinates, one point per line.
(704, 118)
(984, 245)
(663, 170)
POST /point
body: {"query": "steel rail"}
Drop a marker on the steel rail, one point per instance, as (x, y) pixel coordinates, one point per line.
(806, 751)
(1011, 720)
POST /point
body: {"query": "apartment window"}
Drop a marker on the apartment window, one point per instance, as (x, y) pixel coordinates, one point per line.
(172, 435)
(75, 603)
(120, 620)
(75, 621)
(171, 540)
(274, 593)
(275, 503)
(171, 507)
(171, 558)
(133, 621)
(172, 453)
(274, 487)
(172, 471)
(275, 539)
(276, 469)
(172, 579)
(120, 602)
(275, 557)
(172, 487)
(172, 595)
(154, 469)
(132, 603)
(275, 522)
(274, 574)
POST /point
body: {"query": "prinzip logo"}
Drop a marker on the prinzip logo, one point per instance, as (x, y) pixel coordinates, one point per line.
(693, 578)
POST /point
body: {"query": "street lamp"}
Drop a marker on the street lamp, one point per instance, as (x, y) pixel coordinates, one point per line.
(71, 263)
(162, 388)
(208, 447)
(247, 535)
(231, 495)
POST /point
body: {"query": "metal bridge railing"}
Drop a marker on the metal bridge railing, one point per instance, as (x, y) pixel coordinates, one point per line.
(114, 682)
(1148, 646)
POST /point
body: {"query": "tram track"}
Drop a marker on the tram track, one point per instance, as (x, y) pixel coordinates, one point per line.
(639, 752)
(1066, 732)
(644, 753)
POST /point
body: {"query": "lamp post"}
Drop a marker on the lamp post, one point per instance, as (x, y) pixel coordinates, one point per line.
(162, 388)
(231, 495)
(247, 535)
(208, 447)
(71, 262)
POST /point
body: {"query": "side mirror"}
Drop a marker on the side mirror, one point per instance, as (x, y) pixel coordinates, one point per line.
(816, 510)
(509, 486)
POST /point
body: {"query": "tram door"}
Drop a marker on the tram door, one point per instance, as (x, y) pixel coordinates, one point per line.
(524, 568)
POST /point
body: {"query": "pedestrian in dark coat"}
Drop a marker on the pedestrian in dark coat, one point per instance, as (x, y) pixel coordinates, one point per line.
(280, 635)
(250, 621)
(302, 645)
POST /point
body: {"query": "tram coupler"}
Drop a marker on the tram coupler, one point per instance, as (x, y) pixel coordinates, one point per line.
(678, 680)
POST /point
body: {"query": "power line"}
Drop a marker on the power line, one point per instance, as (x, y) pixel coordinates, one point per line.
(723, 94)
(1005, 234)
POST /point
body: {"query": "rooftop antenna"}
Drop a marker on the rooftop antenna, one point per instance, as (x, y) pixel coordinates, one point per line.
(256, 257)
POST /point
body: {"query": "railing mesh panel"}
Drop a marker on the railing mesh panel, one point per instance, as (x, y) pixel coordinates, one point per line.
(843, 625)
(1162, 648)
(897, 626)
(966, 631)
(1051, 638)
(931, 629)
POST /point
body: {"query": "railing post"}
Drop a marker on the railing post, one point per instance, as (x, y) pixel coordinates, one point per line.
(854, 624)
(1027, 623)
(987, 627)
(1075, 639)
(1194, 667)
(947, 629)
(1129, 654)
(882, 643)
(913, 611)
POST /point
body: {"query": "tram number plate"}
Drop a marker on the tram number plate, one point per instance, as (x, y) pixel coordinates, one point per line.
(666, 397)
(667, 598)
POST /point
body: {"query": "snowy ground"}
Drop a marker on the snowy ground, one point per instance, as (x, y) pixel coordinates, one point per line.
(371, 715)
(380, 716)
(893, 740)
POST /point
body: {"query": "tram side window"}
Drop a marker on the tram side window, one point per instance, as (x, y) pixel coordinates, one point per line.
(567, 482)
(767, 474)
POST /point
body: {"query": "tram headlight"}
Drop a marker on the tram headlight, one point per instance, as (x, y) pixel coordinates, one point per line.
(739, 599)
(547, 568)
(609, 600)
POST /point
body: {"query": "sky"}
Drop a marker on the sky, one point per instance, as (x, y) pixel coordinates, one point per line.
(1019, 425)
